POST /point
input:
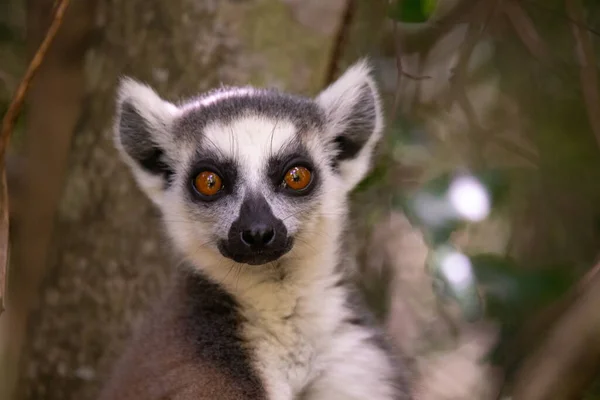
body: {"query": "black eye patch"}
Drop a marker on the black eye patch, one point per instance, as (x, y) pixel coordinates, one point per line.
(225, 169)
(279, 165)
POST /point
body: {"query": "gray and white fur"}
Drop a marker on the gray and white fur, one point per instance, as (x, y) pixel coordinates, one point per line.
(265, 307)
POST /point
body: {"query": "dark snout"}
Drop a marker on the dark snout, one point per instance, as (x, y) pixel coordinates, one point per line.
(257, 236)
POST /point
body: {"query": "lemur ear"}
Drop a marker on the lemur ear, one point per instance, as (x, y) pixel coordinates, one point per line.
(354, 120)
(143, 135)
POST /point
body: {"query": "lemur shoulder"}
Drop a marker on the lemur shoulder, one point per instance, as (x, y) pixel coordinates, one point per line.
(252, 185)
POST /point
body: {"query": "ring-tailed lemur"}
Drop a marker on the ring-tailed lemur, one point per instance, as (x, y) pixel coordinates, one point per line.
(253, 185)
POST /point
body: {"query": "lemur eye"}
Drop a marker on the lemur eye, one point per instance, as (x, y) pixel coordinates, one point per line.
(208, 183)
(297, 178)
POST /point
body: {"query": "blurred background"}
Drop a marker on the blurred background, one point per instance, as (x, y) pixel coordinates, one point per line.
(477, 233)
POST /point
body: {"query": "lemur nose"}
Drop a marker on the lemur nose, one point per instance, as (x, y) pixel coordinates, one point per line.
(258, 235)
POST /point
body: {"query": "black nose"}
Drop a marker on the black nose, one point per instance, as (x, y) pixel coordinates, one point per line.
(258, 235)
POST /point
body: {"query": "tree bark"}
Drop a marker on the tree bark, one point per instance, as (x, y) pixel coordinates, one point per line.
(106, 259)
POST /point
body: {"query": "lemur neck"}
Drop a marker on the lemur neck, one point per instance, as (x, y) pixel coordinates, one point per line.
(304, 277)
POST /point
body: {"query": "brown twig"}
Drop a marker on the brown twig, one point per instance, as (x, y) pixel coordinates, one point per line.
(436, 28)
(16, 104)
(401, 72)
(399, 52)
(588, 277)
(340, 42)
(458, 79)
(588, 74)
(530, 156)
(8, 123)
(458, 83)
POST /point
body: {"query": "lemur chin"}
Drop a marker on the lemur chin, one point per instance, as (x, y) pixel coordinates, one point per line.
(252, 185)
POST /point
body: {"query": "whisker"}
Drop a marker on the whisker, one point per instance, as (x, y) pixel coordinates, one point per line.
(271, 139)
(228, 272)
(214, 145)
(325, 214)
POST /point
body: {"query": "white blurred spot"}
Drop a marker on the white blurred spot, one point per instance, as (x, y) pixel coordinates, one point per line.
(160, 74)
(469, 198)
(457, 268)
(431, 210)
(86, 373)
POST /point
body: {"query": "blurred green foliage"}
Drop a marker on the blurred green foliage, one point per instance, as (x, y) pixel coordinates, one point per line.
(513, 288)
(412, 11)
(7, 34)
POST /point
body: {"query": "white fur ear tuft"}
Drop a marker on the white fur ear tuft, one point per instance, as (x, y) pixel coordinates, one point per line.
(143, 135)
(354, 120)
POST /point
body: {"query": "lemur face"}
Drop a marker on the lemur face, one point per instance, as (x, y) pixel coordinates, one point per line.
(244, 174)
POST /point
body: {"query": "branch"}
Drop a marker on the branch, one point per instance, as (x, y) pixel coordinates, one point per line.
(459, 81)
(525, 29)
(14, 109)
(532, 41)
(530, 156)
(340, 42)
(558, 15)
(400, 72)
(584, 51)
(8, 123)
(398, 37)
(567, 360)
(433, 30)
(399, 53)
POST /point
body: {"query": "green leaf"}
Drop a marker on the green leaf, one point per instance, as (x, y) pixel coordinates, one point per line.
(3, 107)
(412, 11)
(377, 176)
(6, 33)
(403, 131)
(429, 7)
(497, 183)
(513, 294)
(512, 291)
(506, 291)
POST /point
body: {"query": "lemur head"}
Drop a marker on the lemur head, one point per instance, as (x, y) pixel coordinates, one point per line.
(250, 175)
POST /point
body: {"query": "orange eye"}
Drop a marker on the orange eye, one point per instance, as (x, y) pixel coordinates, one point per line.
(297, 178)
(208, 183)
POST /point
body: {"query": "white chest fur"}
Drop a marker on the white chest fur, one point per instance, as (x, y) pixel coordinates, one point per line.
(291, 330)
(302, 347)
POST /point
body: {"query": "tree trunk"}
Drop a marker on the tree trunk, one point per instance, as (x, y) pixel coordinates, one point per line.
(107, 259)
